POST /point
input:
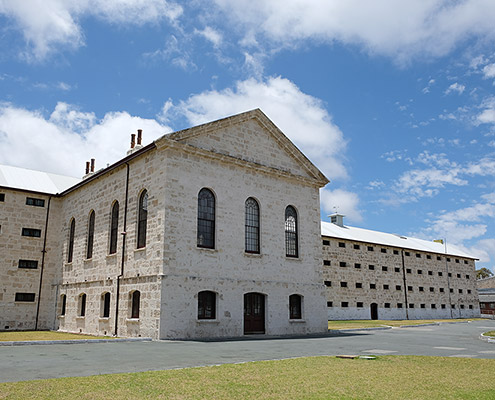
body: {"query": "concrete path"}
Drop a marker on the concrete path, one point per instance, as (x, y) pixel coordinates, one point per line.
(19, 363)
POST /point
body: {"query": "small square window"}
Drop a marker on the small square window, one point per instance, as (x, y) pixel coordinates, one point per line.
(341, 244)
(372, 267)
(409, 270)
(396, 252)
(356, 247)
(420, 272)
(465, 261)
(372, 285)
(460, 290)
(450, 274)
(451, 290)
(428, 257)
(421, 289)
(387, 305)
(385, 269)
(326, 243)
(397, 269)
(383, 250)
(328, 283)
(432, 289)
(386, 287)
(344, 304)
(329, 303)
(343, 284)
(357, 265)
(430, 273)
(370, 248)
(407, 254)
(470, 306)
(439, 258)
(418, 255)
(440, 273)
(423, 305)
(2, 197)
(398, 287)
(448, 259)
(457, 260)
(411, 305)
(342, 264)
(452, 306)
(409, 288)
(462, 306)
(359, 285)
(441, 290)
(359, 304)
(399, 305)
(433, 306)
(442, 306)
(326, 262)
(469, 291)
(458, 275)
(467, 276)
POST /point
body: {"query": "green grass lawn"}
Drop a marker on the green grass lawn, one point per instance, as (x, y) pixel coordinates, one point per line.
(44, 335)
(366, 323)
(489, 333)
(387, 377)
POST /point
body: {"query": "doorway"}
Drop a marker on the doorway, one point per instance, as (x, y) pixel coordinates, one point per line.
(254, 313)
(374, 310)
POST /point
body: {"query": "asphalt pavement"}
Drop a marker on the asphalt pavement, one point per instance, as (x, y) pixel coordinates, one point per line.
(18, 363)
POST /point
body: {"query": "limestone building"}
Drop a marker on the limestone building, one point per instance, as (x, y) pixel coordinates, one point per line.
(376, 275)
(213, 231)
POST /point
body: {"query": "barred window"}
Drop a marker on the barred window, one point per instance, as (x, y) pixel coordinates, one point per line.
(291, 239)
(206, 219)
(91, 234)
(142, 219)
(135, 300)
(295, 306)
(31, 232)
(114, 227)
(72, 231)
(206, 305)
(252, 226)
(28, 264)
(27, 297)
(31, 201)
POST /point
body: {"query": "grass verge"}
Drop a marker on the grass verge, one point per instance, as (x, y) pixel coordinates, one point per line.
(489, 333)
(387, 377)
(354, 324)
(12, 336)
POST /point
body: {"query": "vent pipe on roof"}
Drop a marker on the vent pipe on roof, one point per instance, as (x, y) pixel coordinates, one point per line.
(87, 167)
(136, 146)
(133, 140)
(139, 137)
(337, 219)
(92, 165)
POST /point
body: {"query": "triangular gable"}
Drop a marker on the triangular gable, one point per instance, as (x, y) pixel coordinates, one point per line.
(253, 137)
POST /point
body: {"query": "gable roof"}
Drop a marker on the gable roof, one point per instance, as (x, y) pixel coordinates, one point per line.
(258, 115)
(389, 239)
(34, 181)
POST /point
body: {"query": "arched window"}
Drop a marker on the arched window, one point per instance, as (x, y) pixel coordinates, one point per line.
(105, 305)
(70, 251)
(142, 219)
(82, 305)
(206, 305)
(252, 226)
(135, 300)
(63, 303)
(91, 234)
(114, 227)
(295, 306)
(206, 219)
(291, 240)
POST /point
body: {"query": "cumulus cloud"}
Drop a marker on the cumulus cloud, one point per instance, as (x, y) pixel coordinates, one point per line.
(49, 24)
(489, 71)
(210, 34)
(300, 116)
(455, 87)
(340, 200)
(401, 29)
(69, 137)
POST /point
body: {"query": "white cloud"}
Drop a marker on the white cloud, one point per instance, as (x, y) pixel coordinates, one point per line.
(401, 29)
(342, 201)
(211, 35)
(64, 141)
(489, 71)
(50, 24)
(455, 87)
(300, 116)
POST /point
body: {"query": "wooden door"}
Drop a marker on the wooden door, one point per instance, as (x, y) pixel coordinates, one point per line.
(254, 313)
(374, 310)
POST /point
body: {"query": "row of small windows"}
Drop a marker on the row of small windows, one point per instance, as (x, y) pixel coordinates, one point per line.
(30, 201)
(396, 252)
(359, 285)
(134, 297)
(206, 225)
(114, 226)
(360, 304)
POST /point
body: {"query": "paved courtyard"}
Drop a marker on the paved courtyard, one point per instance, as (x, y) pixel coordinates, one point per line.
(19, 363)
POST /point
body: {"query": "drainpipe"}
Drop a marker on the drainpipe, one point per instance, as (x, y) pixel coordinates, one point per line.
(405, 283)
(43, 252)
(123, 251)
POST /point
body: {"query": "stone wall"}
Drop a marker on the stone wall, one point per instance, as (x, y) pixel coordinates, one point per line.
(487, 283)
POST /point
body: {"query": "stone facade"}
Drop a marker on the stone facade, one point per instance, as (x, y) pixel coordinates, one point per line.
(398, 282)
(236, 158)
(487, 283)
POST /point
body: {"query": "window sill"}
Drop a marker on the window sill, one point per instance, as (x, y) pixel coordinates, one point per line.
(111, 255)
(61, 316)
(255, 255)
(293, 258)
(136, 250)
(104, 319)
(297, 321)
(88, 260)
(132, 320)
(207, 321)
(80, 317)
(206, 249)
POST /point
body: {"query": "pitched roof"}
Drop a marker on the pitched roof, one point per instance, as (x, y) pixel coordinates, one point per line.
(34, 181)
(389, 239)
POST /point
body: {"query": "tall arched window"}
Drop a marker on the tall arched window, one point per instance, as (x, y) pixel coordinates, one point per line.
(252, 226)
(142, 219)
(72, 231)
(114, 227)
(295, 306)
(91, 234)
(82, 304)
(207, 305)
(291, 240)
(135, 300)
(105, 305)
(206, 219)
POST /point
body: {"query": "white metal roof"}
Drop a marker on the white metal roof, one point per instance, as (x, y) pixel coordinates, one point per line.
(36, 181)
(389, 239)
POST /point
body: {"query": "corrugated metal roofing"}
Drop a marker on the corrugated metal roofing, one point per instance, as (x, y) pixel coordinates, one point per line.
(389, 239)
(35, 181)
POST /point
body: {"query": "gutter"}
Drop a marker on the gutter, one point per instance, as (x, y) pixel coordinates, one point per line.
(43, 252)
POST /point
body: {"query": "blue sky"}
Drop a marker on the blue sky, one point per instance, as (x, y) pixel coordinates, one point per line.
(393, 101)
